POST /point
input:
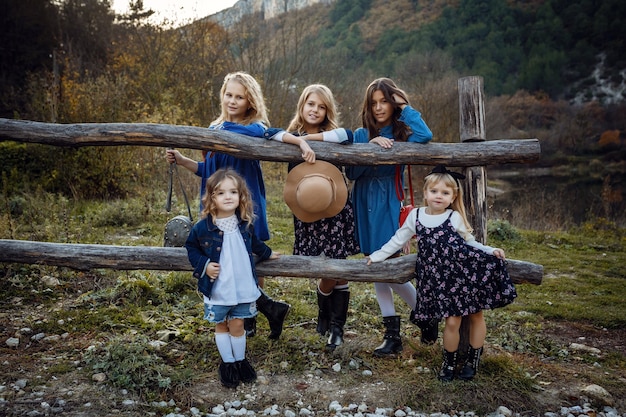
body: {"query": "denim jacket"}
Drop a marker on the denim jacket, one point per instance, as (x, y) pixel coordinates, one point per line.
(204, 244)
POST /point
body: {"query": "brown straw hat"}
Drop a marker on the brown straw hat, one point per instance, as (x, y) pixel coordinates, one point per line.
(315, 191)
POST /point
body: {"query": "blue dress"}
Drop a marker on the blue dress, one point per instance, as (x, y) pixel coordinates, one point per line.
(249, 169)
(454, 278)
(376, 205)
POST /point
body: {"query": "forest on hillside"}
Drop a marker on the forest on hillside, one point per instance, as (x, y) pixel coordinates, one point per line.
(74, 61)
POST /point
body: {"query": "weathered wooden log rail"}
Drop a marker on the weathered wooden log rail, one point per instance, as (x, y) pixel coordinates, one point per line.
(147, 134)
(81, 256)
(87, 257)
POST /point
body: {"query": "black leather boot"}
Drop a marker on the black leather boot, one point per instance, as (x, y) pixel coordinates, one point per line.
(323, 313)
(446, 373)
(471, 363)
(429, 329)
(339, 300)
(249, 325)
(392, 342)
(247, 374)
(229, 374)
(275, 311)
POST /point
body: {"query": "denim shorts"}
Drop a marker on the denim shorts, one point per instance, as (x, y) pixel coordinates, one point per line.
(218, 314)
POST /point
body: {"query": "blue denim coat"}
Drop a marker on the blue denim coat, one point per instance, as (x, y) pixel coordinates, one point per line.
(374, 198)
(205, 244)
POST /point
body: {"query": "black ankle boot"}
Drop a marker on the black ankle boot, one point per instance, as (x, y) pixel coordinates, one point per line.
(275, 311)
(338, 314)
(429, 328)
(392, 342)
(323, 313)
(471, 363)
(229, 374)
(446, 373)
(249, 325)
(247, 374)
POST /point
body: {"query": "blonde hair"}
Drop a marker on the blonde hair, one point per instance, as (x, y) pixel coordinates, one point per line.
(257, 111)
(457, 203)
(331, 121)
(213, 183)
(401, 131)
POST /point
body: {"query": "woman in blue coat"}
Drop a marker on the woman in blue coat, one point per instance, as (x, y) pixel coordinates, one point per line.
(387, 117)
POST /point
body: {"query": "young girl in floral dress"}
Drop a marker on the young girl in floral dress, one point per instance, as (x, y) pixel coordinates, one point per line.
(456, 276)
(317, 118)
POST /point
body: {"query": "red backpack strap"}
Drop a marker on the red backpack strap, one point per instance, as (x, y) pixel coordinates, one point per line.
(399, 189)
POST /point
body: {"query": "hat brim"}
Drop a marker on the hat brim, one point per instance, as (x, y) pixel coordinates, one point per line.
(319, 167)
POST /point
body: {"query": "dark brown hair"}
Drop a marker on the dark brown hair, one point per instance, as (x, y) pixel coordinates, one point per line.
(401, 131)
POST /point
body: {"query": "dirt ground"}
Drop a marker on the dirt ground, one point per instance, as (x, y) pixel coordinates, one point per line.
(43, 365)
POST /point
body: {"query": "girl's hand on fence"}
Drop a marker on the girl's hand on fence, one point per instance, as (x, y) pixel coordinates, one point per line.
(382, 142)
(307, 153)
(369, 261)
(499, 253)
(406, 249)
(274, 255)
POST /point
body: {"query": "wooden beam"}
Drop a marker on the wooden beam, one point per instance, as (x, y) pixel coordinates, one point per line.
(148, 134)
(90, 256)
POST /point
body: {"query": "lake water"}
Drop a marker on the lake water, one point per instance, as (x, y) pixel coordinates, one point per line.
(554, 198)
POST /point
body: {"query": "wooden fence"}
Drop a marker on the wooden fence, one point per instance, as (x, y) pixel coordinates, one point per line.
(472, 153)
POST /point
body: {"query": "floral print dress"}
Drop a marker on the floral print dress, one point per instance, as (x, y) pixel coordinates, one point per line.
(454, 278)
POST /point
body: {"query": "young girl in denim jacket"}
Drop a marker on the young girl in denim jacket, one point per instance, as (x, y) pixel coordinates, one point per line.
(220, 248)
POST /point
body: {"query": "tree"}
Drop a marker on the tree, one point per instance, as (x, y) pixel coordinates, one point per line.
(28, 38)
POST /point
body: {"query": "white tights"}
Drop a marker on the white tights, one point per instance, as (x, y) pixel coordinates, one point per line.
(384, 296)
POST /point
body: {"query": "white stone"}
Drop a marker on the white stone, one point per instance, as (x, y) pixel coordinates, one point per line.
(21, 383)
(598, 394)
(13, 342)
(584, 348)
(52, 338)
(334, 406)
(49, 281)
(502, 410)
(99, 377)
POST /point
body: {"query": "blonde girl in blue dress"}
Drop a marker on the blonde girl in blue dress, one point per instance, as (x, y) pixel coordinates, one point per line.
(244, 112)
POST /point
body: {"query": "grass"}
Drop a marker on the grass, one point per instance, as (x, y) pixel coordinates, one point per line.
(120, 313)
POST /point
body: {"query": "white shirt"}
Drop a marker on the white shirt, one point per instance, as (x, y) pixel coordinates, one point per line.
(235, 283)
(407, 231)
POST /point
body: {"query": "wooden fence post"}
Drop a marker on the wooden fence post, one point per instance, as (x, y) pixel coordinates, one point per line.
(472, 129)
